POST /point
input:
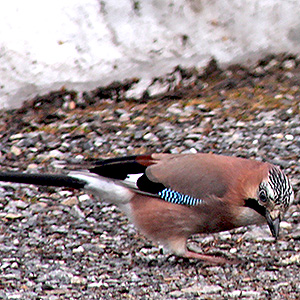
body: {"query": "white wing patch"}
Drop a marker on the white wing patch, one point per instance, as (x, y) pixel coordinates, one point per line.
(103, 188)
(131, 180)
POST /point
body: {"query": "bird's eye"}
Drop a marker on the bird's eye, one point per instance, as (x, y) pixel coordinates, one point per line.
(263, 196)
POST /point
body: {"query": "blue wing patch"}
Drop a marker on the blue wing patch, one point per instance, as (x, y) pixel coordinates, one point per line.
(178, 198)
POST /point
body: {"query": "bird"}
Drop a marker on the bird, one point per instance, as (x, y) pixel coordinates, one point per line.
(170, 197)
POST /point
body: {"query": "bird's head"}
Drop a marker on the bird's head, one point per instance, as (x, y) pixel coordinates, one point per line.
(274, 197)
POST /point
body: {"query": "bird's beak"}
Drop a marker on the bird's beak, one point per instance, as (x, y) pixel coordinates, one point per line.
(273, 217)
(274, 223)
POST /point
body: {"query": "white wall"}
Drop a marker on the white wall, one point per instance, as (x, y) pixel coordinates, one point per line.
(86, 43)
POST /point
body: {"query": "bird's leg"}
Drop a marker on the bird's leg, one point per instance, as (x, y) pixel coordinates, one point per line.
(178, 246)
(208, 258)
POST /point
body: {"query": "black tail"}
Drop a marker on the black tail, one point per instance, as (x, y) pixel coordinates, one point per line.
(42, 179)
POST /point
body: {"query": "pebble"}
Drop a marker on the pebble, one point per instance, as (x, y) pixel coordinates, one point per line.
(14, 296)
(235, 294)
(295, 235)
(286, 225)
(77, 212)
(207, 239)
(78, 280)
(15, 150)
(174, 110)
(21, 204)
(225, 235)
(70, 201)
(83, 198)
(150, 137)
(80, 249)
(56, 153)
(210, 289)
(16, 136)
(289, 137)
(289, 64)
(258, 234)
(251, 294)
(13, 216)
(176, 294)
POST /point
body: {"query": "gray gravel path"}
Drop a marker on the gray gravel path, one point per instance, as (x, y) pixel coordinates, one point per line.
(62, 244)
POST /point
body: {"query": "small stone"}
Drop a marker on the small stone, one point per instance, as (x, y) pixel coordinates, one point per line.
(194, 247)
(279, 285)
(295, 235)
(83, 198)
(251, 294)
(13, 296)
(289, 137)
(176, 294)
(189, 143)
(80, 249)
(174, 110)
(32, 167)
(38, 206)
(95, 285)
(72, 105)
(207, 239)
(150, 137)
(16, 136)
(124, 117)
(64, 193)
(15, 150)
(78, 280)
(278, 135)
(240, 124)
(56, 154)
(13, 216)
(59, 229)
(79, 157)
(225, 235)
(235, 294)
(77, 212)
(289, 64)
(286, 225)
(269, 123)
(10, 276)
(194, 136)
(4, 265)
(259, 70)
(210, 289)
(21, 204)
(191, 150)
(16, 242)
(258, 234)
(99, 141)
(70, 201)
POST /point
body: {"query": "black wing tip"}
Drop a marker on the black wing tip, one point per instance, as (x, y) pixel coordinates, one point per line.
(119, 167)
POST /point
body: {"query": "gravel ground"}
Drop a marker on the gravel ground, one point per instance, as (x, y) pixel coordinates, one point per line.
(62, 244)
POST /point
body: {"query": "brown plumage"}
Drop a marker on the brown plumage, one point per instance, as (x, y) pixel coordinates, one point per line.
(175, 196)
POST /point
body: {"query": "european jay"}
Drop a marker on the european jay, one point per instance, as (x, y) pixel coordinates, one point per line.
(170, 197)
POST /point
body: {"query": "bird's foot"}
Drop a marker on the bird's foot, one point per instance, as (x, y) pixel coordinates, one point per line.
(209, 258)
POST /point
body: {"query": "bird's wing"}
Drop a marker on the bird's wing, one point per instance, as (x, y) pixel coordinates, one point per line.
(185, 179)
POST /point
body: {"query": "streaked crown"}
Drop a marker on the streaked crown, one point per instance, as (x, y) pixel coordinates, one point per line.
(277, 189)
